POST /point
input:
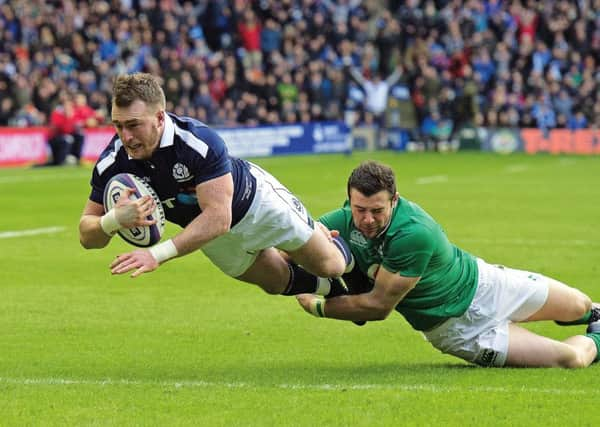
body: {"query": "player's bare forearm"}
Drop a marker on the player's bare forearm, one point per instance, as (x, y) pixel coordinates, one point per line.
(214, 198)
(356, 307)
(205, 227)
(91, 235)
(377, 304)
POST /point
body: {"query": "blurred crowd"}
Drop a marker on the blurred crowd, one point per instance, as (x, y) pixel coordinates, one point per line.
(525, 63)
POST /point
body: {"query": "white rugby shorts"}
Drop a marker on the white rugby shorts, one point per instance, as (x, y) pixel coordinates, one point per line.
(503, 295)
(276, 218)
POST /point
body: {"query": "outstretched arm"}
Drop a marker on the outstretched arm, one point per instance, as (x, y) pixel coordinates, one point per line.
(214, 197)
(377, 304)
(353, 72)
(394, 77)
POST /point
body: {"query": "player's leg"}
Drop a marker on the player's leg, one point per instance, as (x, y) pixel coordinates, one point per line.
(565, 304)
(266, 268)
(275, 220)
(276, 275)
(280, 217)
(527, 349)
(269, 271)
(486, 334)
(322, 255)
(482, 338)
(526, 296)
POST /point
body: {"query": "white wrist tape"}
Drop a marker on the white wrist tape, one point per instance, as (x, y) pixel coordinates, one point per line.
(317, 307)
(164, 251)
(109, 223)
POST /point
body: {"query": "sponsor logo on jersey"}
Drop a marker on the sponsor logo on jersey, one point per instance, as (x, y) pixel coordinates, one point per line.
(181, 173)
(297, 205)
(356, 238)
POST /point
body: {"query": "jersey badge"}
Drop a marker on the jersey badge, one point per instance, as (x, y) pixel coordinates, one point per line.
(181, 173)
(357, 239)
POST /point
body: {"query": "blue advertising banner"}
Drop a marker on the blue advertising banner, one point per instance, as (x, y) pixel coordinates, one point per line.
(309, 138)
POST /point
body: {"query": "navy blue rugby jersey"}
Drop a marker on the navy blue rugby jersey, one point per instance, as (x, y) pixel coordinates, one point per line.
(189, 153)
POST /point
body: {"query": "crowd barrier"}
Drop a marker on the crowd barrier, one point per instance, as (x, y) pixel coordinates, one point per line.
(20, 147)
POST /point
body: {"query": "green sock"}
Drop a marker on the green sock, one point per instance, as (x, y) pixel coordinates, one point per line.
(583, 321)
(596, 337)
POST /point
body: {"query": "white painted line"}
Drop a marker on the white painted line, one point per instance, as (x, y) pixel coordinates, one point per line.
(432, 179)
(516, 168)
(530, 242)
(31, 232)
(11, 179)
(434, 388)
(567, 162)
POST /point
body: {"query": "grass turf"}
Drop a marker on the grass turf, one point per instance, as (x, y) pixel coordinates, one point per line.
(186, 345)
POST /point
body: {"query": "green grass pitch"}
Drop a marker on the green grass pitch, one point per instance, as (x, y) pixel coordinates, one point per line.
(186, 345)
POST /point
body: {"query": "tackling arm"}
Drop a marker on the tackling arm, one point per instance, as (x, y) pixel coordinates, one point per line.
(377, 304)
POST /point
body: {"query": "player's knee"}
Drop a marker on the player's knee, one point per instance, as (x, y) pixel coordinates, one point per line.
(578, 355)
(271, 290)
(574, 361)
(581, 305)
(330, 267)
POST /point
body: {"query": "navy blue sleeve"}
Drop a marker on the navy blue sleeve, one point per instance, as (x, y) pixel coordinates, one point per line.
(217, 161)
(103, 170)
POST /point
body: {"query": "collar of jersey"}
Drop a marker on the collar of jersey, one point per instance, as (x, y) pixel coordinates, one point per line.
(387, 226)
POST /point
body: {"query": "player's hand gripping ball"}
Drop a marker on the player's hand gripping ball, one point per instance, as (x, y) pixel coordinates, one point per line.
(142, 236)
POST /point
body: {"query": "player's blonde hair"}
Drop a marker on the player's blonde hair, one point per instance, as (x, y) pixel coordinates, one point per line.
(128, 88)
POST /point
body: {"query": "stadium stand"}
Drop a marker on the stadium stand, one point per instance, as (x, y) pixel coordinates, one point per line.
(490, 63)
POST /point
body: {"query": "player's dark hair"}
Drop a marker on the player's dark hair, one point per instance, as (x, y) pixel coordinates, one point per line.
(371, 177)
(128, 88)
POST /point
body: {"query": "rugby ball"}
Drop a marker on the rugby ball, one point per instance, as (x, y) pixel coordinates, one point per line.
(139, 236)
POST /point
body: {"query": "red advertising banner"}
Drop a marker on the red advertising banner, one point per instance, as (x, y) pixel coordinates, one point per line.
(20, 147)
(561, 141)
(96, 140)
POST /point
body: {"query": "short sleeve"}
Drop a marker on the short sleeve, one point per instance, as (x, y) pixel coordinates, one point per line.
(409, 253)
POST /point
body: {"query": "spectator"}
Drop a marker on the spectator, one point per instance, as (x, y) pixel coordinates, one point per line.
(66, 136)
(577, 121)
(249, 30)
(524, 47)
(7, 110)
(270, 36)
(544, 115)
(376, 96)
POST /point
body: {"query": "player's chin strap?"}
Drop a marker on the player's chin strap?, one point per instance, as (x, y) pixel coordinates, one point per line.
(109, 222)
(164, 251)
(317, 307)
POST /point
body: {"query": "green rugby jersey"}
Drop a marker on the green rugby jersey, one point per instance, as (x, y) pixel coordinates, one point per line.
(414, 245)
